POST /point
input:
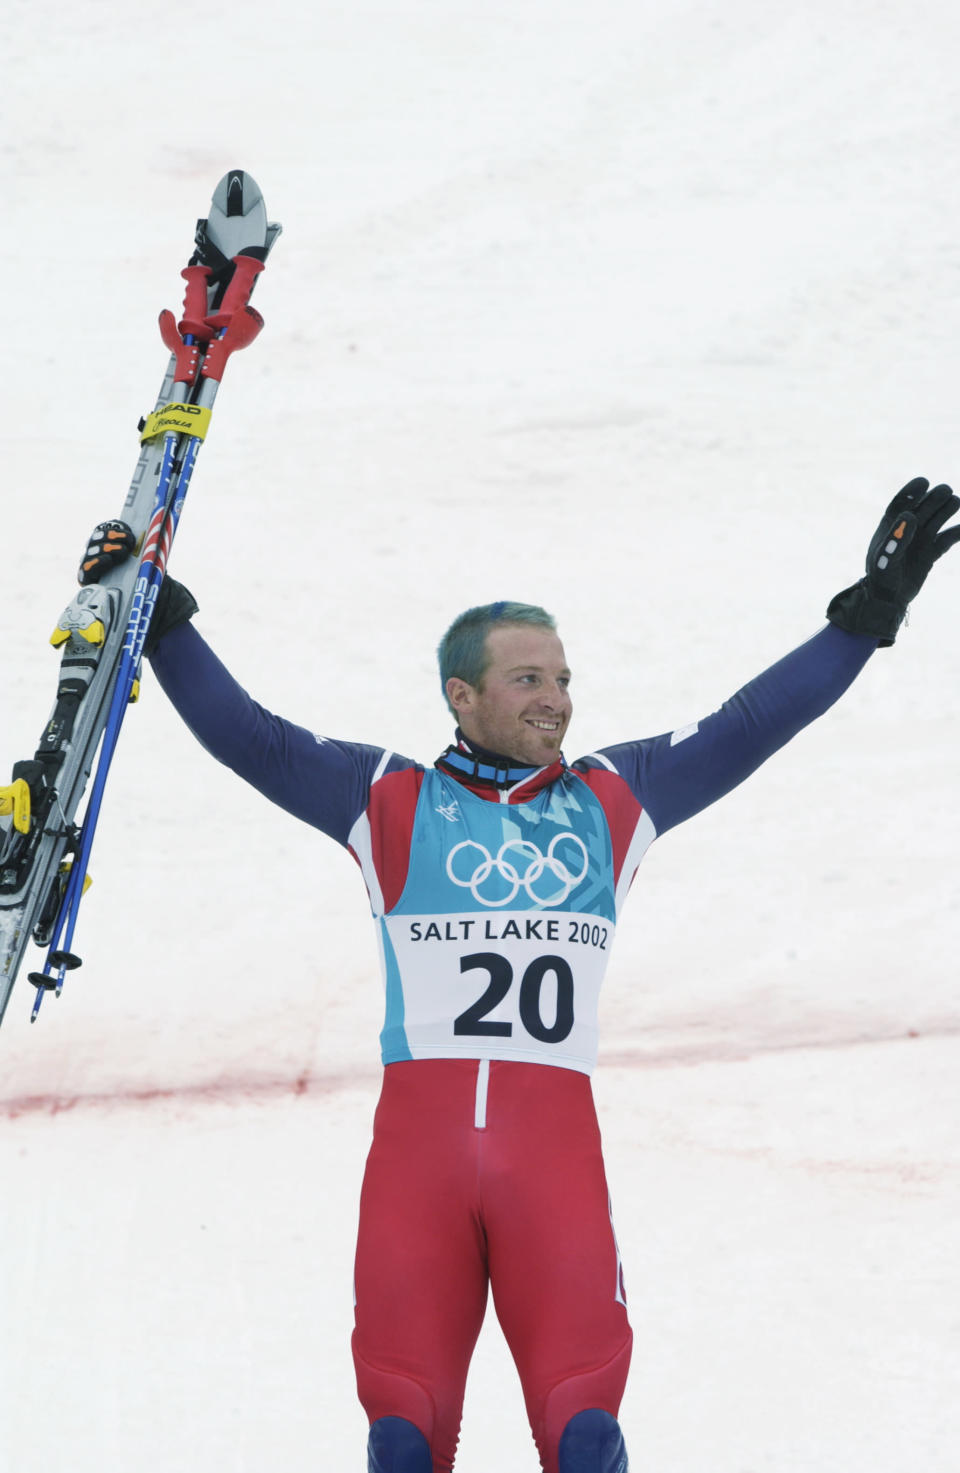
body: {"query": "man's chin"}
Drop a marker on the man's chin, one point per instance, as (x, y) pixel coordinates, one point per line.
(542, 750)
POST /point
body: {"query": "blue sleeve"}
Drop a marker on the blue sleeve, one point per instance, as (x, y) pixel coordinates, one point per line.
(324, 782)
(678, 774)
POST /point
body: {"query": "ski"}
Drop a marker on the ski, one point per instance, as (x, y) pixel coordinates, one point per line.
(44, 844)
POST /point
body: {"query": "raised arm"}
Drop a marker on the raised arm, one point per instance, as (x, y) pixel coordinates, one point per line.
(318, 779)
(322, 781)
(676, 775)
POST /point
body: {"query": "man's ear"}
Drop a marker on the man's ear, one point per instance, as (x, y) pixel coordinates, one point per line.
(459, 693)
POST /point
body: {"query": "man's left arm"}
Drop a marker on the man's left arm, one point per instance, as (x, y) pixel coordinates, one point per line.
(678, 774)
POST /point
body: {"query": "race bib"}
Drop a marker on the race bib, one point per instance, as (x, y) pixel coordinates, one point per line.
(497, 946)
(513, 984)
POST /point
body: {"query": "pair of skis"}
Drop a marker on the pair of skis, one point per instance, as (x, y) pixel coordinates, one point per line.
(44, 849)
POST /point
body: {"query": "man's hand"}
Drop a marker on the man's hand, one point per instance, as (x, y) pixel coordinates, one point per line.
(108, 544)
(904, 548)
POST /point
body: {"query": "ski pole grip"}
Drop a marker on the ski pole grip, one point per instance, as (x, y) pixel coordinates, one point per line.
(239, 332)
(187, 355)
(246, 269)
(195, 303)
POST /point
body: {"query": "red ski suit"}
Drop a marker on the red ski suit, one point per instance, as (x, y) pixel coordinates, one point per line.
(461, 1192)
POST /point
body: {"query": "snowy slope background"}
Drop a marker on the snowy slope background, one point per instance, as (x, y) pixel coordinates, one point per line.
(639, 311)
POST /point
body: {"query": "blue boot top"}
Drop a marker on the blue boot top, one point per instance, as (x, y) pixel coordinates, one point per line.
(396, 1446)
(592, 1443)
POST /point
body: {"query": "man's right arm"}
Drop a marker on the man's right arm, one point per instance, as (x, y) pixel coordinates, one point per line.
(324, 782)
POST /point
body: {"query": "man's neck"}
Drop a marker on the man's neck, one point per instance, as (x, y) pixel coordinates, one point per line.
(480, 768)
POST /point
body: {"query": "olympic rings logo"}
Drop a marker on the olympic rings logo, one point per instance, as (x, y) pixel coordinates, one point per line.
(528, 856)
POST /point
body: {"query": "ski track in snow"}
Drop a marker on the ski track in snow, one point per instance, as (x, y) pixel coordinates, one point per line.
(257, 1085)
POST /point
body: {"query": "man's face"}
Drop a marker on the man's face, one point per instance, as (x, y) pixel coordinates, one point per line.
(522, 706)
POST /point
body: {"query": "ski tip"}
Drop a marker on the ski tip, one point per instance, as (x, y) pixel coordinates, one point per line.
(238, 193)
(237, 221)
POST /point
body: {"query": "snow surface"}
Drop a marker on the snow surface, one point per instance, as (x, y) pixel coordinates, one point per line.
(640, 311)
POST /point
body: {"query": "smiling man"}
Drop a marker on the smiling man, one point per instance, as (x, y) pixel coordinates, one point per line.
(495, 878)
(517, 699)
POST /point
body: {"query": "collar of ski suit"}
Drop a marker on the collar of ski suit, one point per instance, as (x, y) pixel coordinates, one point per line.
(493, 776)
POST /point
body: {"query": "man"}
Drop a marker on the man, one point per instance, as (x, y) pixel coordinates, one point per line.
(495, 878)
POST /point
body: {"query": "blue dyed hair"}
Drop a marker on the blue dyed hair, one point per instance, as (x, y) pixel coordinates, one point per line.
(463, 649)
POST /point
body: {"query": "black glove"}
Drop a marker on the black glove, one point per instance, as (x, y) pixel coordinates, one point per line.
(175, 605)
(109, 543)
(904, 548)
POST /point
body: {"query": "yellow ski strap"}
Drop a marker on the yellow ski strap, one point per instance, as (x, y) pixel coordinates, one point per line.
(183, 419)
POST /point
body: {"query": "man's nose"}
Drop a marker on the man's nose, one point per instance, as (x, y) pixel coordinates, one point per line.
(554, 696)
